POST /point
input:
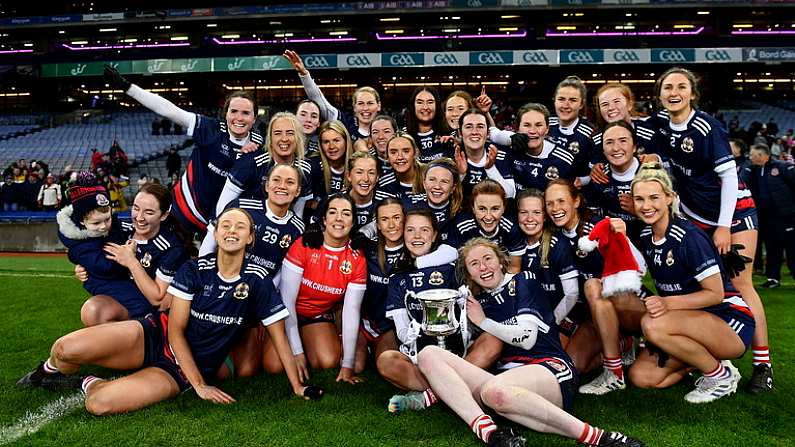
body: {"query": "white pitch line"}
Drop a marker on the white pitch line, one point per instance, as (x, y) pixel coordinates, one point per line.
(36, 275)
(32, 422)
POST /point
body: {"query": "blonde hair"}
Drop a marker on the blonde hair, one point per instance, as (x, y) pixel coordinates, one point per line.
(546, 232)
(419, 168)
(300, 139)
(338, 127)
(654, 172)
(356, 156)
(366, 89)
(460, 266)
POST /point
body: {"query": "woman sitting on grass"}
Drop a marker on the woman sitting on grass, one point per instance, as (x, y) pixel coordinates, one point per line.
(216, 298)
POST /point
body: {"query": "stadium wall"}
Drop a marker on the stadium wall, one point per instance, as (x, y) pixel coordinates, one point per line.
(30, 237)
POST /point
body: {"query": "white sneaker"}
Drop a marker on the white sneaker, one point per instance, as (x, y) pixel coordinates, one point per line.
(709, 389)
(603, 384)
(412, 400)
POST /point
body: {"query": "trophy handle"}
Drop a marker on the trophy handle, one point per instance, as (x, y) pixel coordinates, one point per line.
(464, 293)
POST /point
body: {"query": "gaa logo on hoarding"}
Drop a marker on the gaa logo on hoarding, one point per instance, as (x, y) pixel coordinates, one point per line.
(626, 56)
(358, 60)
(580, 56)
(535, 57)
(445, 59)
(672, 56)
(401, 59)
(717, 55)
(316, 62)
(490, 58)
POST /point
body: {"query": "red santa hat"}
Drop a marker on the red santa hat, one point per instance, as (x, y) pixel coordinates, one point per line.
(621, 272)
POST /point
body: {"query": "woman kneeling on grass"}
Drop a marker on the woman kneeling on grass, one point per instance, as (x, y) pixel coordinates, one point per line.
(538, 384)
(216, 298)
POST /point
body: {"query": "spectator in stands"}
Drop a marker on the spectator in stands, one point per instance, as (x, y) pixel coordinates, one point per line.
(173, 180)
(173, 161)
(165, 126)
(772, 127)
(178, 129)
(772, 183)
(30, 192)
(96, 158)
(118, 159)
(9, 194)
(156, 126)
(740, 152)
(116, 185)
(18, 174)
(777, 148)
(49, 198)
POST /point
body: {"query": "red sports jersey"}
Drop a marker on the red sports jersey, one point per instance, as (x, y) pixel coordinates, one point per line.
(327, 274)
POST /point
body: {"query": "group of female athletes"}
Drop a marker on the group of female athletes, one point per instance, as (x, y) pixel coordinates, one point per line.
(315, 234)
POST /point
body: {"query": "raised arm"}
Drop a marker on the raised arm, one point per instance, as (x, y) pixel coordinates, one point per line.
(327, 111)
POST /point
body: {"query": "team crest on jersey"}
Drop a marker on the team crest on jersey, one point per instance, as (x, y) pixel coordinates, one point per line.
(552, 173)
(241, 291)
(574, 147)
(146, 261)
(669, 259)
(687, 145)
(512, 288)
(436, 278)
(774, 172)
(346, 267)
(285, 242)
(102, 200)
(556, 364)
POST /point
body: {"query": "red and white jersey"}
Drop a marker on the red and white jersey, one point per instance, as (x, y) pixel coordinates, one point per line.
(327, 273)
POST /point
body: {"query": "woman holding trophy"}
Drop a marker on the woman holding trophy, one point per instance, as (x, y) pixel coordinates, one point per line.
(538, 383)
(403, 307)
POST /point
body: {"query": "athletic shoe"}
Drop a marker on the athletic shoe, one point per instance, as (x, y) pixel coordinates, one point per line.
(628, 354)
(49, 381)
(761, 379)
(603, 384)
(616, 439)
(709, 389)
(413, 400)
(506, 437)
(771, 284)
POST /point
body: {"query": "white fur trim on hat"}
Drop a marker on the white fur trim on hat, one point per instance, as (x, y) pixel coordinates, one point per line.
(623, 281)
(587, 245)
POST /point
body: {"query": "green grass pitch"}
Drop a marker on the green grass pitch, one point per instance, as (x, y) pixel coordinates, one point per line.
(41, 301)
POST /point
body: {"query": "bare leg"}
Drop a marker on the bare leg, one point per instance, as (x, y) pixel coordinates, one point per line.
(118, 345)
(361, 354)
(646, 373)
(530, 395)
(321, 345)
(454, 380)
(397, 369)
(247, 353)
(101, 309)
(485, 351)
(604, 318)
(584, 348)
(138, 390)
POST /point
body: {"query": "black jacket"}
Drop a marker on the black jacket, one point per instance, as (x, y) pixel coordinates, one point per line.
(773, 188)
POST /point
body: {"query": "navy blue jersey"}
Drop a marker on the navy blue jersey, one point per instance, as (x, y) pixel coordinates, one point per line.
(697, 150)
(251, 170)
(312, 146)
(162, 255)
(553, 162)
(273, 235)
(437, 277)
(221, 309)
(576, 139)
(430, 147)
(590, 264)
(476, 172)
(390, 186)
(377, 292)
(607, 195)
(337, 180)
(507, 235)
(683, 258)
(365, 214)
(206, 172)
(521, 294)
(559, 266)
(442, 213)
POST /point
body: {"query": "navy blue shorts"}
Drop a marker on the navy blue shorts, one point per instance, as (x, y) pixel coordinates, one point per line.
(157, 352)
(372, 329)
(741, 322)
(127, 294)
(741, 221)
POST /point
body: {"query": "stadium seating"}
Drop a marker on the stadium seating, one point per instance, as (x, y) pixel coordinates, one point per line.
(71, 144)
(757, 111)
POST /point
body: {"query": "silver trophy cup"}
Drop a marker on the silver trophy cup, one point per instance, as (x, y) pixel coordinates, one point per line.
(438, 312)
